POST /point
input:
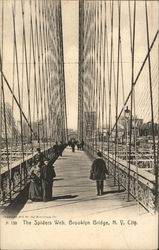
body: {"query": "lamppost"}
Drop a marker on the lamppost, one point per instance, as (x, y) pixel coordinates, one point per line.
(127, 116)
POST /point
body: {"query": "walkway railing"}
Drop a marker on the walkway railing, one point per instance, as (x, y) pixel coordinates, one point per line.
(142, 183)
(15, 180)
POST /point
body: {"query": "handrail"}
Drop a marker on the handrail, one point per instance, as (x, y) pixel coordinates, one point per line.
(146, 181)
(14, 173)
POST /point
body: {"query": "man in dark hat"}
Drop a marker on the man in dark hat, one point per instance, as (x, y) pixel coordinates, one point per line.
(47, 175)
(99, 172)
(40, 157)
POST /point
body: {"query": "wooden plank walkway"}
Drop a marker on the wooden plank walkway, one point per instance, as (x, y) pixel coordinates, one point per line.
(75, 195)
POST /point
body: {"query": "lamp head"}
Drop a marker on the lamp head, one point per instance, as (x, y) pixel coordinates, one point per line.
(127, 112)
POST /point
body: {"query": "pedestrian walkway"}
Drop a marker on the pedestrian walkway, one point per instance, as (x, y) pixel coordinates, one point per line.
(74, 194)
(77, 218)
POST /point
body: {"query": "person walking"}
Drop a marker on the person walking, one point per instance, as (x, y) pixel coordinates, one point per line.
(98, 172)
(82, 144)
(73, 147)
(47, 175)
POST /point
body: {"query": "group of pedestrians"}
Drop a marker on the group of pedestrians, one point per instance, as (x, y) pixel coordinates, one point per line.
(43, 173)
(41, 178)
(74, 143)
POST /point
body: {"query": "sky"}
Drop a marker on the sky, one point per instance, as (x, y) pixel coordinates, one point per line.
(70, 41)
(70, 17)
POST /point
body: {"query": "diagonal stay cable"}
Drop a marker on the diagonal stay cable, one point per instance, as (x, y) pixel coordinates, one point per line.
(138, 75)
(10, 89)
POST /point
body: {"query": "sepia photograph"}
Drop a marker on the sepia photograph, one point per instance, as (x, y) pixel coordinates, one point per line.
(79, 124)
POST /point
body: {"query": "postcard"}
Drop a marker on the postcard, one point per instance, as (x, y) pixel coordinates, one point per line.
(79, 124)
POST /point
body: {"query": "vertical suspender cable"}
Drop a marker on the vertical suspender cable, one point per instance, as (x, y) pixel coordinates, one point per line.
(132, 81)
(62, 51)
(110, 80)
(43, 82)
(61, 72)
(47, 73)
(26, 67)
(104, 88)
(27, 77)
(152, 113)
(12, 134)
(35, 79)
(122, 75)
(130, 25)
(100, 79)
(94, 76)
(117, 94)
(91, 79)
(47, 65)
(29, 83)
(39, 71)
(4, 107)
(158, 122)
(97, 73)
(135, 150)
(19, 96)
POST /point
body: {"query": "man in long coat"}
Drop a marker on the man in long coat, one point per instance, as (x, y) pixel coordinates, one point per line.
(99, 172)
(47, 175)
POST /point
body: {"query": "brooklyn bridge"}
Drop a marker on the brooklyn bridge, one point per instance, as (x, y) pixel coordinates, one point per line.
(118, 105)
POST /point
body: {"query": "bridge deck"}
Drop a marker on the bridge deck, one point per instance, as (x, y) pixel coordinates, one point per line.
(75, 199)
(74, 194)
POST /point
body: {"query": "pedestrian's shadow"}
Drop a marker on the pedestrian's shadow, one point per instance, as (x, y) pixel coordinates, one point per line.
(58, 179)
(114, 191)
(64, 197)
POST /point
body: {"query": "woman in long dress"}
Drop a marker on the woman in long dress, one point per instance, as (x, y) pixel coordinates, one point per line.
(35, 191)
